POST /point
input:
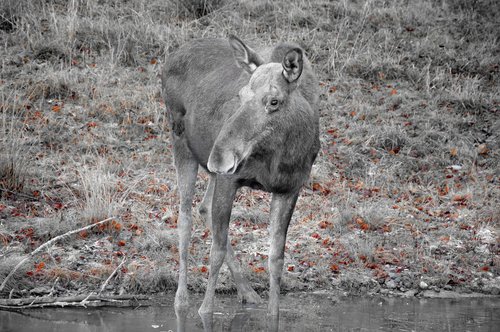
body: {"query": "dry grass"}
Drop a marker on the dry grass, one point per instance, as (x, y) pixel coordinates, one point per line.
(406, 186)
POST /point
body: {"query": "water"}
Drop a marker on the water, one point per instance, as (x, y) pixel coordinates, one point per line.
(298, 312)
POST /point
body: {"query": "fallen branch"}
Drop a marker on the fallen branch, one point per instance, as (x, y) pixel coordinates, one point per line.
(111, 276)
(46, 244)
(75, 301)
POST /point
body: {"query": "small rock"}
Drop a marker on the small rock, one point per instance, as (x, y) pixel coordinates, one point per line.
(423, 285)
(447, 287)
(410, 293)
(40, 291)
(390, 284)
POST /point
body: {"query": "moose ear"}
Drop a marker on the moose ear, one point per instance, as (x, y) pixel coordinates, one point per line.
(245, 57)
(293, 64)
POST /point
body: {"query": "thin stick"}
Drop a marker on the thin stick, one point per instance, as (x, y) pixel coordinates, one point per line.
(46, 244)
(111, 276)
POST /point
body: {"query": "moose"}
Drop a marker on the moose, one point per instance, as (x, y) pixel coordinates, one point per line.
(250, 119)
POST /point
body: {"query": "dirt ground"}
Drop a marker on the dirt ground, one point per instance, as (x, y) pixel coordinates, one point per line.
(404, 196)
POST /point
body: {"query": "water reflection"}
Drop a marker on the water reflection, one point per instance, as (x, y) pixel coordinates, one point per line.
(298, 313)
(240, 321)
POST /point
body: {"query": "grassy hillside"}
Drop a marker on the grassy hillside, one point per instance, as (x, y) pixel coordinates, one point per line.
(404, 194)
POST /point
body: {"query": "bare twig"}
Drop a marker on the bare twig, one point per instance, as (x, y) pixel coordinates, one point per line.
(111, 276)
(46, 244)
(86, 301)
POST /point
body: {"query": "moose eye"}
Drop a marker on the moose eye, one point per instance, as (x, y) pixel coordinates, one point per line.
(272, 104)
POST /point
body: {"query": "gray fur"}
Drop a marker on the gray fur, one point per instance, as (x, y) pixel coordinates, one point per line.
(247, 126)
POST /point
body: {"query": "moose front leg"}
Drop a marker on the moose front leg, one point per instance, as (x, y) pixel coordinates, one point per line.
(245, 292)
(282, 206)
(222, 202)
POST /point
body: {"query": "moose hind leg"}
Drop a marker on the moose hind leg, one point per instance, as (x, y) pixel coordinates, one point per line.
(245, 292)
(187, 168)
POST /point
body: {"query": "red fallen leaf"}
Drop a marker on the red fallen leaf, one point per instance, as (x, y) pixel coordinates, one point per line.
(153, 61)
(290, 268)
(443, 190)
(445, 238)
(58, 206)
(117, 226)
(29, 273)
(36, 193)
(121, 243)
(84, 234)
(56, 108)
(386, 228)
(316, 235)
(485, 268)
(205, 234)
(332, 89)
(259, 269)
(39, 266)
(482, 149)
(326, 242)
(359, 185)
(395, 150)
(124, 269)
(393, 92)
(333, 132)
(203, 269)
(334, 268)
(372, 266)
(318, 187)
(2, 207)
(461, 198)
(365, 226)
(92, 124)
(325, 224)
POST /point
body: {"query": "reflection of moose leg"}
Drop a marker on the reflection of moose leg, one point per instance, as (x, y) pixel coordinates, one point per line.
(245, 291)
(187, 168)
(281, 212)
(222, 202)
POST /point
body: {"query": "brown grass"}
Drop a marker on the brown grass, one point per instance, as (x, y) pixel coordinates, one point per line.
(406, 187)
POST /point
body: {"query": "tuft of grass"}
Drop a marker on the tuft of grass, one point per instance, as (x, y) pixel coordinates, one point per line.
(100, 192)
(14, 150)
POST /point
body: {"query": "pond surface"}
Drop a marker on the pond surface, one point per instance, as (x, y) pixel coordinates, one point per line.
(299, 312)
